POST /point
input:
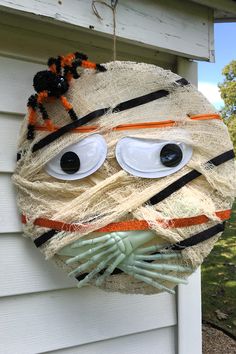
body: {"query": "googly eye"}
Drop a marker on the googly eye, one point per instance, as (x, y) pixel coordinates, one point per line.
(70, 162)
(171, 155)
(79, 160)
(150, 158)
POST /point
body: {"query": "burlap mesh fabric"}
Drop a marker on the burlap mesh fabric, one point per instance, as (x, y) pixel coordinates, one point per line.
(111, 194)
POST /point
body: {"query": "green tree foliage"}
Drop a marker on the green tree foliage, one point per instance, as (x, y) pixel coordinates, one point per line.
(228, 94)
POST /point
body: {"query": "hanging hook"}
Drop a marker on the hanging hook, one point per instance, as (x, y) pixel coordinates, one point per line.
(114, 3)
(113, 8)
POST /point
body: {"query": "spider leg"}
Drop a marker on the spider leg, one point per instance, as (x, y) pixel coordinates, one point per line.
(32, 106)
(43, 111)
(40, 98)
(69, 108)
(54, 64)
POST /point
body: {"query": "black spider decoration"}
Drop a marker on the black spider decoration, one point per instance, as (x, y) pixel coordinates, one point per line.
(54, 83)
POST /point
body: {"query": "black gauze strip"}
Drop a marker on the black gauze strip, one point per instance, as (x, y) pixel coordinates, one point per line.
(182, 82)
(138, 101)
(198, 238)
(44, 238)
(190, 176)
(173, 187)
(83, 275)
(18, 156)
(218, 160)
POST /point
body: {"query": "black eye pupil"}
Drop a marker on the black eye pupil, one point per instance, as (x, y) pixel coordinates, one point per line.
(171, 155)
(70, 162)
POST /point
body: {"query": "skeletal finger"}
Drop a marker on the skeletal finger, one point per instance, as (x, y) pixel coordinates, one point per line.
(163, 267)
(83, 267)
(150, 274)
(150, 249)
(91, 241)
(94, 258)
(91, 251)
(153, 283)
(158, 256)
(98, 268)
(149, 281)
(110, 269)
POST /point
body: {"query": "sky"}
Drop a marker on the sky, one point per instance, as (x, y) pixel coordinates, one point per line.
(209, 74)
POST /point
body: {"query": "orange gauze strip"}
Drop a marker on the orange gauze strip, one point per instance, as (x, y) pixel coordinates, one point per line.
(135, 126)
(130, 225)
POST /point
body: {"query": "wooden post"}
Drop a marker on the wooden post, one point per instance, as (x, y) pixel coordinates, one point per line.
(188, 69)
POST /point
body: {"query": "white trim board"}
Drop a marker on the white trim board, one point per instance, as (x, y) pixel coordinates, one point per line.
(29, 40)
(189, 298)
(181, 28)
(189, 316)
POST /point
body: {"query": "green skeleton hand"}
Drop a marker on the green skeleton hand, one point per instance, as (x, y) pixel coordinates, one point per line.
(123, 250)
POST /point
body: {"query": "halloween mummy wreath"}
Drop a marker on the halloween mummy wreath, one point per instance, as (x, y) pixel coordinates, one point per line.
(125, 173)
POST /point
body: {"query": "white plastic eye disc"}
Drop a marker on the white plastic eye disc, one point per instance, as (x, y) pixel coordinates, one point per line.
(150, 158)
(79, 160)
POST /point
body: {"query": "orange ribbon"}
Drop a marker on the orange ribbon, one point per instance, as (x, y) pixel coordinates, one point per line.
(135, 126)
(129, 225)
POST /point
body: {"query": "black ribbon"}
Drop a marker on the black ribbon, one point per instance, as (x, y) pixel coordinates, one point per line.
(198, 238)
(44, 237)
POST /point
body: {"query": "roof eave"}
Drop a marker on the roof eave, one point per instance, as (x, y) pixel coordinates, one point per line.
(224, 10)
